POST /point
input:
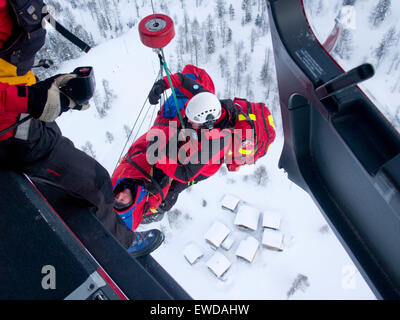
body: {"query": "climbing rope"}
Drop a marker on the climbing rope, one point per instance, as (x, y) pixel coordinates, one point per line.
(152, 7)
(163, 67)
(159, 75)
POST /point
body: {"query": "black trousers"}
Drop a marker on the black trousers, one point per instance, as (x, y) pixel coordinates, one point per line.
(173, 193)
(49, 156)
(175, 189)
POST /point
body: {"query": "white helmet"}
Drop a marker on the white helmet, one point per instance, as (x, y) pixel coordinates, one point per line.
(203, 107)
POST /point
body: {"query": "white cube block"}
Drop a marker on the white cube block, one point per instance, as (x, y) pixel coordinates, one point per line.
(272, 239)
(247, 248)
(217, 233)
(192, 253)
(230, 202)
(227, 243)
(218, 264)
(271, 220)
(247, 217)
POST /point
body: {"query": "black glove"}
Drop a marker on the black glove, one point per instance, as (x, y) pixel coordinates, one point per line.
(155, 93)
(45, 100)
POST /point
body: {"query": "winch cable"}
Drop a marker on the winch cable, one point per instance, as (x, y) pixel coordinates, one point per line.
(159, 75)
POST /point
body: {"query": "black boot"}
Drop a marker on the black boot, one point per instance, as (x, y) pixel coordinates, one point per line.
(145, 242)
(154, 217)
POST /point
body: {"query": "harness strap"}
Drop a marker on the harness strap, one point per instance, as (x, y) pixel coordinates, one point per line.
(148, 176)
(265, 127)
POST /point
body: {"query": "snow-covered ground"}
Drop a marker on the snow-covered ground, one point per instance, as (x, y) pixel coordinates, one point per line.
(312, 265)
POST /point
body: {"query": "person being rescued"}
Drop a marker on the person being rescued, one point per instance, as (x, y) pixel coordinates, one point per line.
(179, 151)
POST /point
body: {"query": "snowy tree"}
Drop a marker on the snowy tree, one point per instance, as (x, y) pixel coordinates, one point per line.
(258, 21)
(179, 61)
(228, 36)
(300, 283)
(380, 12)
(324, 229)
(164, 7)
(109, 137)
(104, 105)
(394, 66)
(89, 149)
(118, 26)
(388, 40)
(253, 39)
(260, 176)
(220, 8)
(245, 4)
(58, 8)
(223, 31)
(238, 78)
(248, 17)
(186, 33)
(261, 22)
(249, 87)
(137, 9)
(228, 83)
(320, 7)
(222, 64)
(196, 41)
(127, 131)
(210, 41)
(56, 49)
(349, 2)
(239, 48)
(98, 102)
(180, 46)
(231, 12)
(266, 73)
(246, 61)
(246, 7)
(344, 46)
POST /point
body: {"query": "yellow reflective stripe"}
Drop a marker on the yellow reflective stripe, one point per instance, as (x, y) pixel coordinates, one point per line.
(244, 151)
(271, 121)
(153, 210)
(8, 74)
(230, 152)
(252, 116)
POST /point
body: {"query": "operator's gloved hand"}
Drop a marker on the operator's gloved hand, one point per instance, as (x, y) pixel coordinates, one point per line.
(155, 93)
(45, 100)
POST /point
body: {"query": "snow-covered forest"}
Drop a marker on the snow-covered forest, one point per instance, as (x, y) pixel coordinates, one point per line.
(231, 40)
(372, 36)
